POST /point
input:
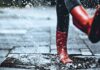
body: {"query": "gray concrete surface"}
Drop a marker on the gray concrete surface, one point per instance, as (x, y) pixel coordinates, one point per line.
(26, 34)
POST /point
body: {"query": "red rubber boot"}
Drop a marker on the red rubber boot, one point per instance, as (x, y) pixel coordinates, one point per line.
(89, 25)
(61, 38)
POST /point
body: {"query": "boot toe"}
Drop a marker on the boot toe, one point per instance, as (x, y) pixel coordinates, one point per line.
(66, 60)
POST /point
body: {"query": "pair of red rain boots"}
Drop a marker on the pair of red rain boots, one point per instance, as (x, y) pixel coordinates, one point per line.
(87, 24)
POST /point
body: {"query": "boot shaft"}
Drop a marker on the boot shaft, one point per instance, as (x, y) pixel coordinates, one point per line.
(81, 19)
(61, 40)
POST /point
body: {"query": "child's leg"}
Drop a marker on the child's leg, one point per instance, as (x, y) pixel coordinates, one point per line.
(89, 25)
(62, 31)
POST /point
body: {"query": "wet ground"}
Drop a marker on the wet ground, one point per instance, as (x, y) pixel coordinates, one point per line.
(27, 42)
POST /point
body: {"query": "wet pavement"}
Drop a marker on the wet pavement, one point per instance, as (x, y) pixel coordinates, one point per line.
(27, 41)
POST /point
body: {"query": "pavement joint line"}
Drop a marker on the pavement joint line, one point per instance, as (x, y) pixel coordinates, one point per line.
(5, 48)
(8, 53)
(88, 47)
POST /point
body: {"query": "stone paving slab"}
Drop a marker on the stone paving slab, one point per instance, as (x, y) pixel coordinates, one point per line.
(32, 49)
(12, 31)
(74, 51)
(53, 47)
(77, 46)
(4, 53)
(85, 52)
(53, 51)
(93, 47)
(5, 46)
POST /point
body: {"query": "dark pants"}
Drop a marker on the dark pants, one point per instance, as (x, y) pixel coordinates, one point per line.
(62, 16)
(63, 8)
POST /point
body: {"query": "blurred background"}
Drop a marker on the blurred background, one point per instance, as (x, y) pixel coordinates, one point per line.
(23, 3)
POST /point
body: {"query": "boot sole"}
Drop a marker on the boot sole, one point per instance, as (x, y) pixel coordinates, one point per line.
(94, 35)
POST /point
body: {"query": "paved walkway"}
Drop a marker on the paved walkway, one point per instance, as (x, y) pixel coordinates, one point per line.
(30, 37)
